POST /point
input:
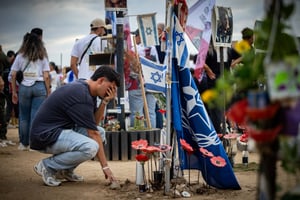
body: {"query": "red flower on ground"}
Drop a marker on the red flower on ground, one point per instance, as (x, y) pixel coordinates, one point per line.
(142, 158)
(218, 161)
(139, 144)
(205, 152)
(186, 146)
(231, 136)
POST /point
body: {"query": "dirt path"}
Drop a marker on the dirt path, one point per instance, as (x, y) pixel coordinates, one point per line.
(19, 181)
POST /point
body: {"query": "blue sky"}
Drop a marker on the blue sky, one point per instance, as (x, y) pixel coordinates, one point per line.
(63, 21)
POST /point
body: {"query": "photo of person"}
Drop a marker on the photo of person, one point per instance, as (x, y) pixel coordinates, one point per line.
(115, 4)
(224, 25)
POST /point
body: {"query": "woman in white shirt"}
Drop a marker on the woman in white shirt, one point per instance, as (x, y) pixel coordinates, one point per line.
(32, 59)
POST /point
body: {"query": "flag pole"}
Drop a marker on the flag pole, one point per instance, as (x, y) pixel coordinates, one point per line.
(146, 110)
(168, 160)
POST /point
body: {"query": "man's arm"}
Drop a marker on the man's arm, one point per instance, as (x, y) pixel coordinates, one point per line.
(73, 64)
(99, 114)
(95, 135)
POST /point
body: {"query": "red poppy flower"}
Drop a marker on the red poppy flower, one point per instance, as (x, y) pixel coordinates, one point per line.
(139, 144)
(218, 161)
(237, 112)
(206, 152)
(142, 158)
(186, 146)
(162, 111)
(231, 136)
(150, 149)
(164, 147)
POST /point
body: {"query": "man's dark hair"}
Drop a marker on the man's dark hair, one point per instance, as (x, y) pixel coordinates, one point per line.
(10, 53)
(107, 72)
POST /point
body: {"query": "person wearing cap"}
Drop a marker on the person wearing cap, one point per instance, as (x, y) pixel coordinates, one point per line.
(66, 126)
(32, 60)
(81, 50)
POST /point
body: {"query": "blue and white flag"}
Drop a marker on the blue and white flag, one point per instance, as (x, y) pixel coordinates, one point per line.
(111, 15)
(179, 50)
(192, 123)
(148, 29)
(154, 75)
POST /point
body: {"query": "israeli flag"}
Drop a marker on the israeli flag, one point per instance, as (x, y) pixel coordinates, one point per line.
(180, 50)
(148, 30)
(154, 75)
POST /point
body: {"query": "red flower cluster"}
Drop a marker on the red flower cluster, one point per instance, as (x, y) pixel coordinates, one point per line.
(217, 161)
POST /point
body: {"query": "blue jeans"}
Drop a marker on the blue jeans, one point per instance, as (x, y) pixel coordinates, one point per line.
(72, 148)
(30, 99)
(136, 104)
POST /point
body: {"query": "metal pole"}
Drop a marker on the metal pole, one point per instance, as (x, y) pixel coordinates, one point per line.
(168, 99)
(120, 66)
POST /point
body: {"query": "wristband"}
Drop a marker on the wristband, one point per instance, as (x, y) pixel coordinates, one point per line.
(104, 168)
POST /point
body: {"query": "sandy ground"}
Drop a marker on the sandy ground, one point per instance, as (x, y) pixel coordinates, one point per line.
(19, 181)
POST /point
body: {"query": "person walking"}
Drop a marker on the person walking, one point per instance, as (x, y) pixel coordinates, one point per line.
(32, 59)
(66, 125)
(86, 46)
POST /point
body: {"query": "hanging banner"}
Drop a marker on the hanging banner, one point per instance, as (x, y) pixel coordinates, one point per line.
(222, 26)
(198, 29)
(116, 5)
(147, 29)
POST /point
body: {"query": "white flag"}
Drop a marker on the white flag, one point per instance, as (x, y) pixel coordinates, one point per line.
(148, 30)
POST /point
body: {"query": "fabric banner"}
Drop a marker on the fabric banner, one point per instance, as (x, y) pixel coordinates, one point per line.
(192, 123)
(148, 30)
(179, 50)
(111, 16)
(154, 75)
(198, 28)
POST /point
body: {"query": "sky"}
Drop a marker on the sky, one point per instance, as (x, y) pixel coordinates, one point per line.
(63, 21)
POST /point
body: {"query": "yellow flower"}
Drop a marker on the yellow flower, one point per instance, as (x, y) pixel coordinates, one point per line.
(208, 96)
(242, 46)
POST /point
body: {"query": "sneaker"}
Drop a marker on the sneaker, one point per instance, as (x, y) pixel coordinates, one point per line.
(3, 144)
(9, 142)
(69, 176)
(21, 147)
(48, 178)
(38, 168)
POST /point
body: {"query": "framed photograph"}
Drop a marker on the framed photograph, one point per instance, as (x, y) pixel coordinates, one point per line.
(222, 26)
(116, 5)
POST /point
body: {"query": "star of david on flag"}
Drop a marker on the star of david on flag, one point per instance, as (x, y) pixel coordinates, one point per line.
(148, 30)
(192, 122)
(154, 75)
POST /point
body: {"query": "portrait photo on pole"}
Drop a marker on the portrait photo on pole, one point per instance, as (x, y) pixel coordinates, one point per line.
(222, 26)
(116, 5)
